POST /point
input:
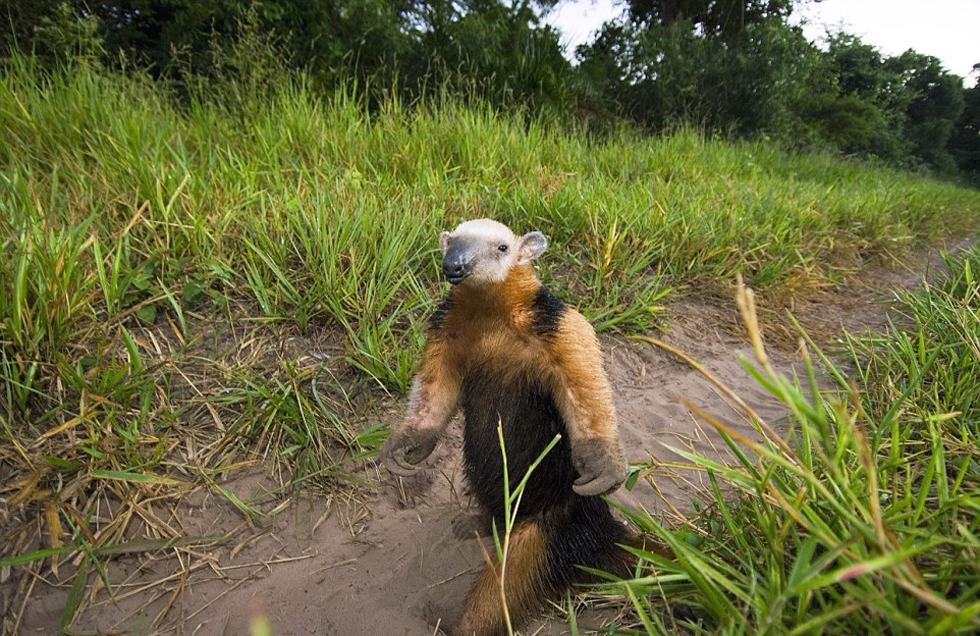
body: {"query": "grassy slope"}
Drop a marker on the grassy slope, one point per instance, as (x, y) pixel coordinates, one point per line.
(317, 211)
(127, 222)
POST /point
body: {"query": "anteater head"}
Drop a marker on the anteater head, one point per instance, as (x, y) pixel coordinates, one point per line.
(484, 251)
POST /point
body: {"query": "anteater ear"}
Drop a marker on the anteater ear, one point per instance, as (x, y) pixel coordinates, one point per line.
(444, 242)
(531, 246)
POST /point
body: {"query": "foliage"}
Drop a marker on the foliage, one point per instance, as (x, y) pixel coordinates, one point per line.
(870, 523)
(689, 61)
(499, 52)
(715, 19)
(935, 103)
(658, 74)
(735, 67)
(491, 49)
(867, 112)
(965, 143)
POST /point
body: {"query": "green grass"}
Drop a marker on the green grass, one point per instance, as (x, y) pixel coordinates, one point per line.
(242, 270)
(871, 524)
(116, 200)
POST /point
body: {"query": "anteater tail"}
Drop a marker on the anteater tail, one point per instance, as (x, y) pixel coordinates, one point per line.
(543, 561)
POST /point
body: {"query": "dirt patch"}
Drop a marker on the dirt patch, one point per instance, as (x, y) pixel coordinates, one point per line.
(863, 299)
(331, 567)
(400, 558)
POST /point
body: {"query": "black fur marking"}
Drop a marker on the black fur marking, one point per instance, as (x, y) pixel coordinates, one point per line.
(548, 310)
(525, 409)
(580, 530)
(586, 536)
(438, 318)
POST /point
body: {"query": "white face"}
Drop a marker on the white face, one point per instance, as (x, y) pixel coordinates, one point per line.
(484, 251)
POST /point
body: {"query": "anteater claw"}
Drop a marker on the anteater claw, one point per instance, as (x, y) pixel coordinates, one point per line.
(599, 485)
(394, 460)
(400, 467)
(600, 465)
(404, 450)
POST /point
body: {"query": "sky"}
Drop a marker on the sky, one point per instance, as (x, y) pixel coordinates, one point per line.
(946, 29)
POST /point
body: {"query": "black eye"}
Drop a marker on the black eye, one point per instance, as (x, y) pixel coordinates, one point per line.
(502, 248)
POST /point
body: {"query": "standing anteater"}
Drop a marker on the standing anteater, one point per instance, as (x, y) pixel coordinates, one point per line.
(506, 350)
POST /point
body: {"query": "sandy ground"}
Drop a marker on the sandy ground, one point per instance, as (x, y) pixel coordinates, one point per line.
(400, 560)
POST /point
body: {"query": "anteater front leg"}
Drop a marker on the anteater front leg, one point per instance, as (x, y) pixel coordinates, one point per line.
(584, 398)
(433, 401)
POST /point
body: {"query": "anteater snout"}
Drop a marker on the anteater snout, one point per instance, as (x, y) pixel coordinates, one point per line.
(457, 264)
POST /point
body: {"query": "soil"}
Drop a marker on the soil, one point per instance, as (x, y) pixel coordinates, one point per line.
(398, 558)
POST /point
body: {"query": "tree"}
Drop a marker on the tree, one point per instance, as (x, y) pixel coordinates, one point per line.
(715, 19)
(867, 112)
(935, 103)
(726, 65)
(964, 145)
(504, 51)
(497, 49)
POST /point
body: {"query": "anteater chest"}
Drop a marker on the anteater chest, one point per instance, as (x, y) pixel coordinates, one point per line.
(506, 381)
(524, 408)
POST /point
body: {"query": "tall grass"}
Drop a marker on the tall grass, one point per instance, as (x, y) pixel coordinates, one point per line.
(320, 212)
(159, 255)
(871, 523)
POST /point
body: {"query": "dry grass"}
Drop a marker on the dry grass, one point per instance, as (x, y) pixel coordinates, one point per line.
(187, 288)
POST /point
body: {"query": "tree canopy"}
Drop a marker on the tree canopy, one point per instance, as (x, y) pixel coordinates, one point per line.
(738, 67)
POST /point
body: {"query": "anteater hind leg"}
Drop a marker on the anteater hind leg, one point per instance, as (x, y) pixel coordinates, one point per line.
(527, 557)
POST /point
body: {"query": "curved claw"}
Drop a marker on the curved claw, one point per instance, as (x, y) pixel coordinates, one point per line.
(394, 460)
(600, 466)
(397, 466)
(597, 485)
(403, 451)
(400, 471)
(415, 455)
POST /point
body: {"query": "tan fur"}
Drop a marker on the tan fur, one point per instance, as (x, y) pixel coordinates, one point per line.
(494, 323)
(435, 391)
(586, 402)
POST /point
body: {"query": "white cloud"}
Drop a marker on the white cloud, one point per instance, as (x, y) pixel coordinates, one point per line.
(947, 29)
(578, 20)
